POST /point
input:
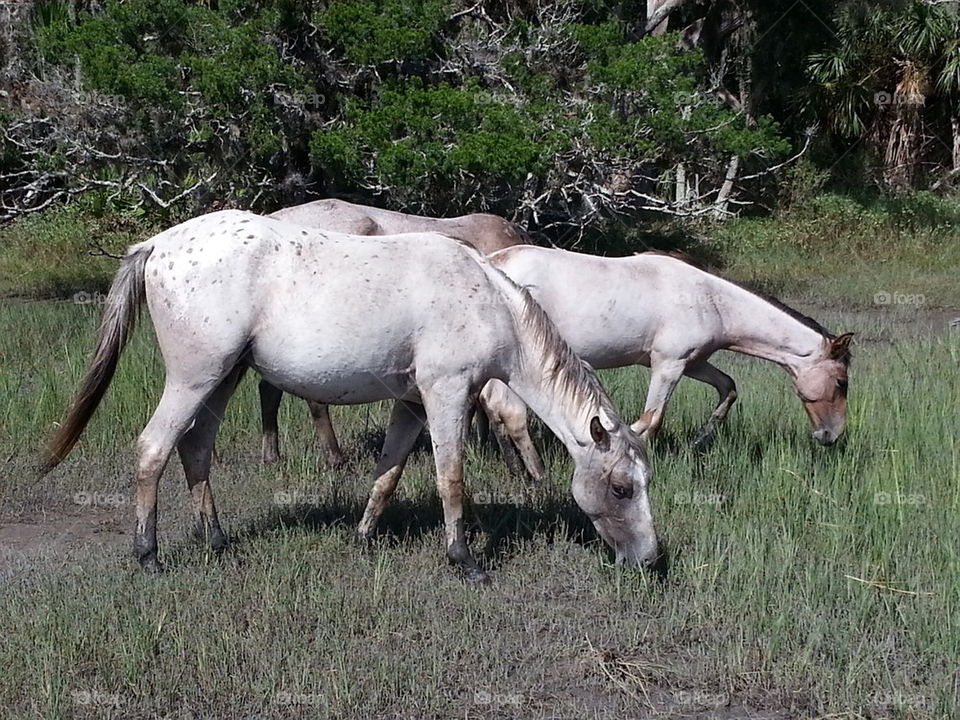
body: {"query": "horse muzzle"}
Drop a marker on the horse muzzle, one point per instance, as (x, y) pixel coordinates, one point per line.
(825, 437)
(645, 555)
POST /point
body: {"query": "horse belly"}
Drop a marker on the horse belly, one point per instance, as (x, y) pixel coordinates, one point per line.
(336, 373)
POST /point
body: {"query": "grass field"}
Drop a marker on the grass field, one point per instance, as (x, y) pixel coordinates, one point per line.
(803, 581)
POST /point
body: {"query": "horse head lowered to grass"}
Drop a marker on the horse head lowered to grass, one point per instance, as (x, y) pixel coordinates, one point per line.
(345, 320)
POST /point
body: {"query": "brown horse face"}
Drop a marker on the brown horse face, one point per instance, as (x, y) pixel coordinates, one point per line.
(823, 390)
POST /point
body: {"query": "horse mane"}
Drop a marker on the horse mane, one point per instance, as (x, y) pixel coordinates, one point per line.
(805, 320)
(568, 375)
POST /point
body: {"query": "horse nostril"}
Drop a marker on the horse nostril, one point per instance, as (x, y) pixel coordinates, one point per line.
(824, 437)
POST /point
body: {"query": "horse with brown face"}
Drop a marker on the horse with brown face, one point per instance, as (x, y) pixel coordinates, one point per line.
(487, 233)
(663, 312)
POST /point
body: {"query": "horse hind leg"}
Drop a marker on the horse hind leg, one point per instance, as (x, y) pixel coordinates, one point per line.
(196, 451)
(176, 411)
(406, 422)
(508, 415)
(727, 390)
(515, 422)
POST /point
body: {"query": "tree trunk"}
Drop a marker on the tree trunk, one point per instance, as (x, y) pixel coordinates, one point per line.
(680, 194)
(899, 154)
(658, 11)
(723, 197)
(955, 123)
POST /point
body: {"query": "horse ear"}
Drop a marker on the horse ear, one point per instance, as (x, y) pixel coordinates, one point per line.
(840, 346)
(598, 432)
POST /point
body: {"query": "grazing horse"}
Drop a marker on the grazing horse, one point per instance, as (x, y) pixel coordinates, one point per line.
(346, 320)
(488, 233)
(660, 311)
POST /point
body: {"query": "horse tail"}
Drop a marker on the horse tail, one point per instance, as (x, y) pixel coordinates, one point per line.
(119, 319)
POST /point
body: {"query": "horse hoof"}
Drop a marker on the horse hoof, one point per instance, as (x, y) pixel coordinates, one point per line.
(363, 540)
(150, 564)
(218, 541)
(536, 480)
(212, 537)
(476, 576)
(702, 440)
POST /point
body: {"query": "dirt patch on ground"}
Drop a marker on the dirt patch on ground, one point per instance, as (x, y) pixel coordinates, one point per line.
(50, 538)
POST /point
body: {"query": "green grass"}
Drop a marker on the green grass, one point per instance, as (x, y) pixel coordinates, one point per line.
(60, 253)
(804, 581)
(835, 248)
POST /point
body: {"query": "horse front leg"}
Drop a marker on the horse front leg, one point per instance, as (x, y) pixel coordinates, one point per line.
(727, 390)
(324, 427)
(666, 375)
(508, 416)
(406, 423)
(447, 410)
(270, 398)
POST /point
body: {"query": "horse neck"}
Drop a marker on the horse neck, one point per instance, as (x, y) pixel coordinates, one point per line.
(754, 326)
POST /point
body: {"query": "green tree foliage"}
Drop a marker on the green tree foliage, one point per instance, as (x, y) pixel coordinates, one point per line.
(561, 108)
(179, 65)
(369, 32)
(556, 111)
(625, 107)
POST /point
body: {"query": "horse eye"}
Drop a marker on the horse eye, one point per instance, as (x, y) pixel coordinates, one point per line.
(842, 384)
(622, 492)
